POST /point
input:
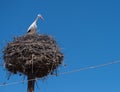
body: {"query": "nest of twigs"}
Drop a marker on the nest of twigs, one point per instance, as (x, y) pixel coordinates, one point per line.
(32, 54)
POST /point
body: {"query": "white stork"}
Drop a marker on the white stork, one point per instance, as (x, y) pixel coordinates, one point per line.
(33, 27)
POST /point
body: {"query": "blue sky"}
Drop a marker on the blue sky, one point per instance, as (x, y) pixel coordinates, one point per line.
(88, 31)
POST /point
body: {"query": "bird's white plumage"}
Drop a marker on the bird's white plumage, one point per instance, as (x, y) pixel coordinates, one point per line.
(33, 27)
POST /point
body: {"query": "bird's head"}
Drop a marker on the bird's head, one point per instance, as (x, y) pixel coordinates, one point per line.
(40, 16)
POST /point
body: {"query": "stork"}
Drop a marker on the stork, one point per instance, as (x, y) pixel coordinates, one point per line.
(33, 27)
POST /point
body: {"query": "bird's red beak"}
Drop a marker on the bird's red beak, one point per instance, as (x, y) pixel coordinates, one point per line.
(41, 18)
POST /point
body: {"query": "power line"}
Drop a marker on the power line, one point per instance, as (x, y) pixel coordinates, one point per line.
(68, 72)
(91, 67)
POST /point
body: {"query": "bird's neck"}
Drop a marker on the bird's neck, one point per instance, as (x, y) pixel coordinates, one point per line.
(36, 19)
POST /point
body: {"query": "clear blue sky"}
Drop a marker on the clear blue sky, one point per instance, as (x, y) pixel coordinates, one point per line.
(88, 31)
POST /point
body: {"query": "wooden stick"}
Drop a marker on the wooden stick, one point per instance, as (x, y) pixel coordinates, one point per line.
(31, 83)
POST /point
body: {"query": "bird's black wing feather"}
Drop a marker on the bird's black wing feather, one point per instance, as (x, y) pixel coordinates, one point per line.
(28, 31)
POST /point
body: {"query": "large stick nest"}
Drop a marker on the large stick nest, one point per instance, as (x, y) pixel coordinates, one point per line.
(32, 54)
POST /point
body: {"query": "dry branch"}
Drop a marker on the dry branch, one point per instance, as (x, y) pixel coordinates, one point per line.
(38, 55)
